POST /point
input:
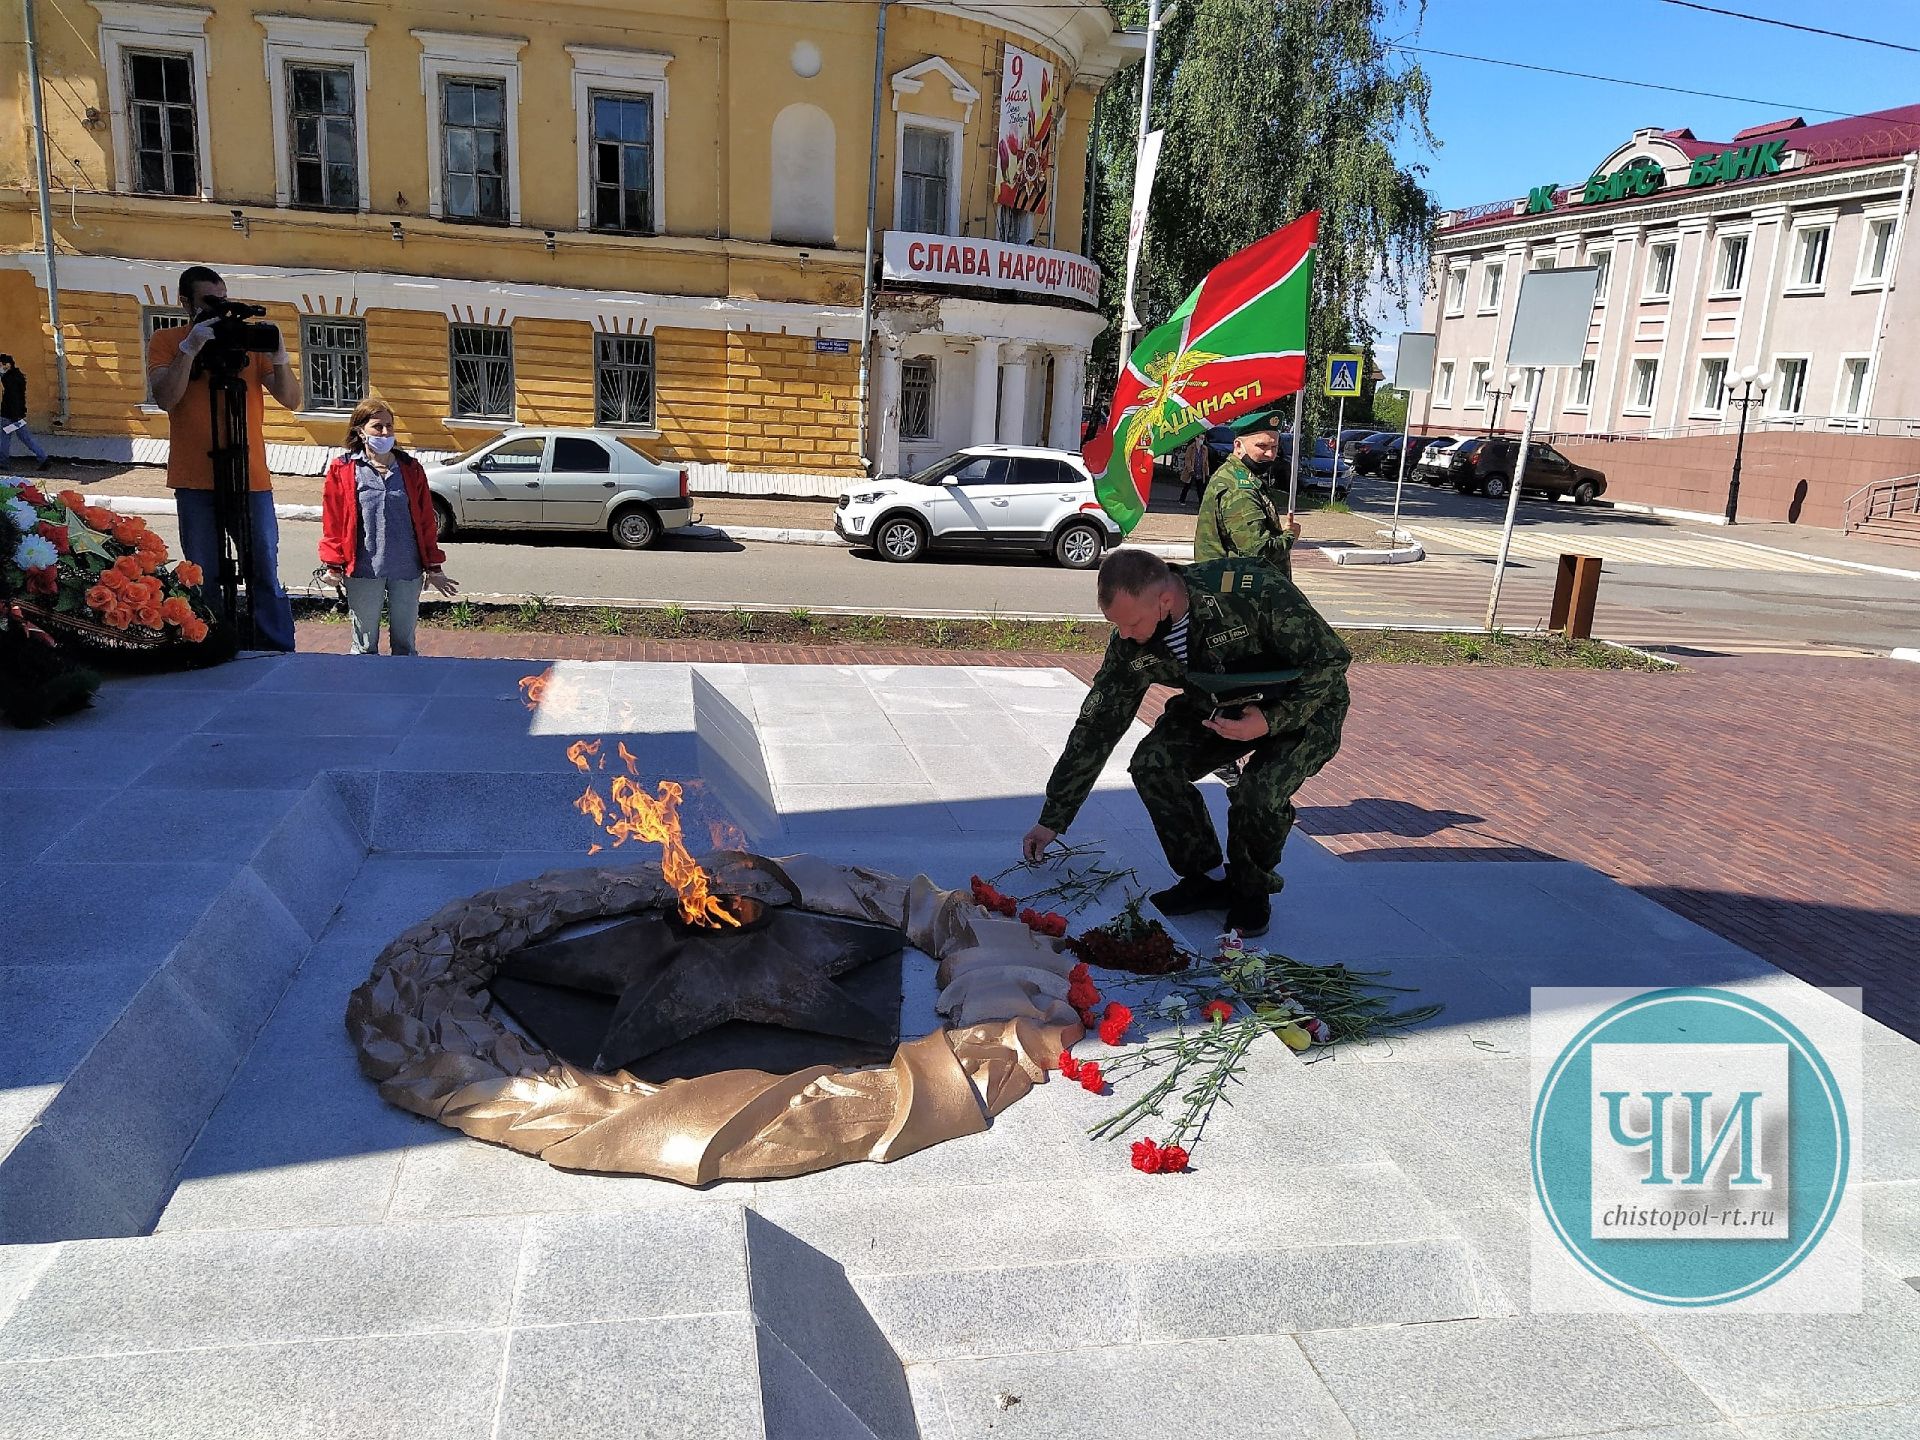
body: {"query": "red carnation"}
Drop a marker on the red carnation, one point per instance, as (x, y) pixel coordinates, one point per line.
(1148, 1156)
(1090, 1077)
(1088, 1018)
(31, 494)
(57, 534)
(44, 581)
(1069, 1066)
(1172, 1158)
(1217, 1010)
(1082, 996)
(1080, 975)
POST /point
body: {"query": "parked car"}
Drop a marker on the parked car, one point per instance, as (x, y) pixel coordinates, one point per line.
(1319, 469)
(1485, 467)
(988, 497)
(1364, 455)
(1351, 440)
(1386, 460)
(560, 480)
(1435, 465)
(1219, 446)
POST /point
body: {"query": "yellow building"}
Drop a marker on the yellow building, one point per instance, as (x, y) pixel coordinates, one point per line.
(652, 217)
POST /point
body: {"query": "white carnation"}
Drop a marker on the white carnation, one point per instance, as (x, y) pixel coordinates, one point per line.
(35, 553)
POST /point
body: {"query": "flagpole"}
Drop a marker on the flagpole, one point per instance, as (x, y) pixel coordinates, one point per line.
(1129, 323)
(1293, 480)
(1541, 398)
(1406, 433)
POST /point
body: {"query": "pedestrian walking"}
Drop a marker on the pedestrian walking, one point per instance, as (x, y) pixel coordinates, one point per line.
(13, 414)
(1193, 468)
(377, 532)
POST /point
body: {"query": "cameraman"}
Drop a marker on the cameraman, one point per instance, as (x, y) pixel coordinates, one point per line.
(183, 395)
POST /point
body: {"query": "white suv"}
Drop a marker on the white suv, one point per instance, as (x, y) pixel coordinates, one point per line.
(986, 496)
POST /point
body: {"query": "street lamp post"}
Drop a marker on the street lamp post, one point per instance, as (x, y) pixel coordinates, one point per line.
(1753, 391)
(1494, 392)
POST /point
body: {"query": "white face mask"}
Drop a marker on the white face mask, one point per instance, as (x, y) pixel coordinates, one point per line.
(380, 444)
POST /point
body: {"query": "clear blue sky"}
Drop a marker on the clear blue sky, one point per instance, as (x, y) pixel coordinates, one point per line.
(1500, 131)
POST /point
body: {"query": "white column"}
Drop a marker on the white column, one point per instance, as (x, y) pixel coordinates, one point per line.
(1069, 380)
(1013, 396)
(986, 391)
(886, 406)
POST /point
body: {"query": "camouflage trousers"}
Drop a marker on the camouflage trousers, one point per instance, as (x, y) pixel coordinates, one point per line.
(1180, 749)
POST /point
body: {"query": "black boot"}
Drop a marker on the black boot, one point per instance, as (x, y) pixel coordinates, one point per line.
(1191, 893)
(1249, 912)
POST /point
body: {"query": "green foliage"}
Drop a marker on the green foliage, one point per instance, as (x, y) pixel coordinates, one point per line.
(1271, 108)
(529, 610)
(1390, 408)
(461, 615)
(610, 621)
(675, 616)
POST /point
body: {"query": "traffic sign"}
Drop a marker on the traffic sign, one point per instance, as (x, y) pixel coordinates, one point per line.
(1343, 375)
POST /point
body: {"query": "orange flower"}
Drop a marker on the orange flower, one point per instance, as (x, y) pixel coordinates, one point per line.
(118, 616)
(146, 589)
(99, 519)
(152, 546)
(187, 573)
(114, 581)
(195, 630)
(129, 529)
(100, 598)
(175, 610)
(149, 616)
(72, 499)
(128, 566)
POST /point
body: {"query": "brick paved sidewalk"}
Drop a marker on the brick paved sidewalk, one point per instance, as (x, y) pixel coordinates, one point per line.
(1773, 800)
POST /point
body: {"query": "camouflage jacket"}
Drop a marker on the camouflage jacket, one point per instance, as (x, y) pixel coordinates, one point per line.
(1242, 616)
(1238, 518)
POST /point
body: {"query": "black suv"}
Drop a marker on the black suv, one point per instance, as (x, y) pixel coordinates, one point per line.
(1485, 467)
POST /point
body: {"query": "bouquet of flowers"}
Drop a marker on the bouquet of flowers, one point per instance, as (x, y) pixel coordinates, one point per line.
(97, 576)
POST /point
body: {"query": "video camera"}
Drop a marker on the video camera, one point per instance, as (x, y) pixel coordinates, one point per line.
(236, 335)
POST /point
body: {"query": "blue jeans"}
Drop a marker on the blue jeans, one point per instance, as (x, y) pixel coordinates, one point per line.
(24, 436)
(402, 599)
(200, 543)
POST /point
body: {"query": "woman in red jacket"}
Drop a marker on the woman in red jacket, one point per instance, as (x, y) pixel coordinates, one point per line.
(377, 531)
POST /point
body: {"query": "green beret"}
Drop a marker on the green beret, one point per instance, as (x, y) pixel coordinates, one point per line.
(1273, 420)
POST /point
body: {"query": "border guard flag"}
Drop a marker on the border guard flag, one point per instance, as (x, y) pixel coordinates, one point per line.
(1237, 343)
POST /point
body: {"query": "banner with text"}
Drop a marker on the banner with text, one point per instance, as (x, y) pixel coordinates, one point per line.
(989, 265)
(1032, 104)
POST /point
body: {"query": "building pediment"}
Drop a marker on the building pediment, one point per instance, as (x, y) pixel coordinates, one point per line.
(914, 79)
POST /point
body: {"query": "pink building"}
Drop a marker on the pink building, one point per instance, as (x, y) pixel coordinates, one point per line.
(1779, 249)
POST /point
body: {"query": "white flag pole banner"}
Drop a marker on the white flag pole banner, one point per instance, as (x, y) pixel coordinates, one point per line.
(1031, 108)
(1412, 370)
(1550, 327)
(1145, 165)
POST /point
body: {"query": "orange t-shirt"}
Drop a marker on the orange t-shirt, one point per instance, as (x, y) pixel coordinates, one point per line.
(190, 423)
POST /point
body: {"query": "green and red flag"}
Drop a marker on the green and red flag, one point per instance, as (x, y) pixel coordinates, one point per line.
(1237, 343)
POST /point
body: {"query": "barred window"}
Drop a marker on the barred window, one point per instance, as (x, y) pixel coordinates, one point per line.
(473, 140)
(482, 368)
(916, 399)
(152, 319)
(326, 157)
(166, 157)
(926, 168)
(333, 362)
(623, 162)
(623, 379)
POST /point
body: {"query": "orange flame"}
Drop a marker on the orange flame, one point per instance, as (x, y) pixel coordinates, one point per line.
(533, 688)
(635, 815)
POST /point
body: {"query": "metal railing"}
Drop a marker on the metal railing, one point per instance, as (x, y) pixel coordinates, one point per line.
(1884, 499)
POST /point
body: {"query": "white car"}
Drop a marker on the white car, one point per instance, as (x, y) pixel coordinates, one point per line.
(998, 497)
(560, 480)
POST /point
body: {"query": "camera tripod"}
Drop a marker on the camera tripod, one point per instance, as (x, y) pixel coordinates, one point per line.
(232, 482)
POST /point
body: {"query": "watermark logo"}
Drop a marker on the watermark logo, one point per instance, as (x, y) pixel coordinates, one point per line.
(1693, 1147)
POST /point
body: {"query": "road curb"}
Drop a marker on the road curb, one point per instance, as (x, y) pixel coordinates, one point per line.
(1405, 555)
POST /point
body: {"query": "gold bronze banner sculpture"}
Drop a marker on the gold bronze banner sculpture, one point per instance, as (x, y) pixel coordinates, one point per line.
(426, 1028)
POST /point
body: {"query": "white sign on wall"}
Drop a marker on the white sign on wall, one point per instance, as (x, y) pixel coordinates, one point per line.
(959, 262)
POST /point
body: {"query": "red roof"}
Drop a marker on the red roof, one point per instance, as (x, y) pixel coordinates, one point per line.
(1832, 144)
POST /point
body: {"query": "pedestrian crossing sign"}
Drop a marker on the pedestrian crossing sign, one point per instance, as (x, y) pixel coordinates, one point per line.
(1343, 375)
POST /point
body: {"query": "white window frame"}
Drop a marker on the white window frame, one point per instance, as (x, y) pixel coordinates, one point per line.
(1579, 397)
(601, 71)
(307, 407)
(296, 40)
(1721, 239)
(1840, 384)
(1443, 385)
(155, 29)
(1716, 405)
(1776, 392)
(1493, 276)
(1868, 219)
(1671, 244)
(1630, 406)
(651, 424)
(1453, 300)
(956, 134)
(1602, 260)
(1799, 238)
(1482, 370)
(933, 396)
(1522, 396)
(449, 55)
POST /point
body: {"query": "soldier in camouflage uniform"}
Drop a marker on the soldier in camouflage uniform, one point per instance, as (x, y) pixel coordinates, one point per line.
(1226, 616)
(1238, 516)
